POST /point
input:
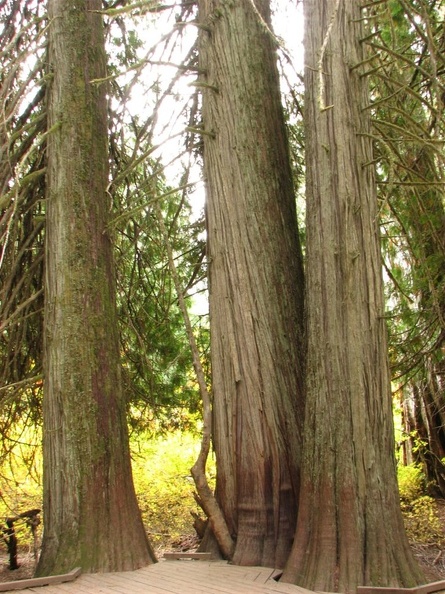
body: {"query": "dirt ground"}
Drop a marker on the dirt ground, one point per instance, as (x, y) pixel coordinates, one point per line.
(26, 569)
(431, 557)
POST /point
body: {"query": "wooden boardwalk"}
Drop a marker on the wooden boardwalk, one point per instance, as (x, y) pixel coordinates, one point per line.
(177, 577)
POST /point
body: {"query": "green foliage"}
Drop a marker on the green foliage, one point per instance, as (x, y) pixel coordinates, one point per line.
(412, 483)
(405, 85)
(422, 522)
(156, 354)
(419, 510)
(21, 479)
(23, 72)
(157, 357)
(161, 469)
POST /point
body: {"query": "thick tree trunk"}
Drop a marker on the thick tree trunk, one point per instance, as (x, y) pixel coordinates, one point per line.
(91, 516)
(350, 530)
(256, 282)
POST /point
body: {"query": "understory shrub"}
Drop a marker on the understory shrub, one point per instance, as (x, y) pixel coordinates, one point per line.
(419, 510)
(21, 483)
(163, 483)
(164, 486)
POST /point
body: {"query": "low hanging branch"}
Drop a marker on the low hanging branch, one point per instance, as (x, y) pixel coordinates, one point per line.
(206, 496)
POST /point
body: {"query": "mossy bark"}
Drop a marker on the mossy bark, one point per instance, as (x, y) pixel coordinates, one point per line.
(91, 516)
(256, 282)
(350, 530)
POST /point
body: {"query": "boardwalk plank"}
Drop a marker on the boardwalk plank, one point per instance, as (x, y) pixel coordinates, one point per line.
(178, 577)
(192, 577)
(224, 578)
(40, 581)
(186, 583)
(217, 575)
(197, 556)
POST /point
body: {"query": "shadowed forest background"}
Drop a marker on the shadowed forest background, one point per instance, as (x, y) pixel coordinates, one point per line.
(148, 151)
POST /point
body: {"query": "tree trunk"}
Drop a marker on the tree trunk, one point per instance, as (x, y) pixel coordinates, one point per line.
(255, 281)
(91, 516)
(350, 530)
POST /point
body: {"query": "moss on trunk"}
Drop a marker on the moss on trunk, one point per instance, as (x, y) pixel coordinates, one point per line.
(91, 514)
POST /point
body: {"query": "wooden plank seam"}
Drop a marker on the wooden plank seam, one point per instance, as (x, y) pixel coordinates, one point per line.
(424, 589)
(41, 581)
(197, 556)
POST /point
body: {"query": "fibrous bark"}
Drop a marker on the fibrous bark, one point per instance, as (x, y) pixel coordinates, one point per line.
(350, 530)
(91, 516)
(255, 281)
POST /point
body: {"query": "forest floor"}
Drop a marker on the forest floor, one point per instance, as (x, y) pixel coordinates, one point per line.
(430, 556)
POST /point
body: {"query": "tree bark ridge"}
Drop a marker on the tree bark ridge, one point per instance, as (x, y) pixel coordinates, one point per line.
(255, 280)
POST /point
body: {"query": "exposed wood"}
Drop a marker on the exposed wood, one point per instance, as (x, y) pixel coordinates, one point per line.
(30, 514)
(178, 577)
(42, 581)
(175, 577)
(424, 589)
(9, 536)
(11, 542)
(198, 556)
